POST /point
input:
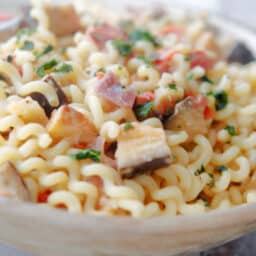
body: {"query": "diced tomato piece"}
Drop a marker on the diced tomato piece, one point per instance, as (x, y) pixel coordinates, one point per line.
(81, 145)
(190, 94)
(163, 60)
(178, 30)
(208, 113)
(201, 102)
(165, 56)
(100, 75)
(145, 97)
(61, 206)
(43, 196)
(199, 58)
(5, 17)
(165, 106)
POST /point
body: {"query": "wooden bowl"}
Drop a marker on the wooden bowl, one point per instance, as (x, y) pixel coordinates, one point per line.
(50, 232)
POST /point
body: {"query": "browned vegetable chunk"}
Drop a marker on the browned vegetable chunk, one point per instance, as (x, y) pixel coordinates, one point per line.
(28, 110)
(141, 149)
(11, 183)
(63, 19)
(68, 123)
(189, 117)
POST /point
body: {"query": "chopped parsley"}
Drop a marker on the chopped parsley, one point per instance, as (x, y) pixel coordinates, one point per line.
(64, 68)
(200, 171)
(25, 32)
(221, 100)
(145, 60)
(139, 35)
(87, 154)
(10, 58)
(207, 79)
(46, 50)
(28, 46)
(143, 110)
(124, 48)
(172, 86)
(128, 126)
(231, 130)
(222, 168)
(191, 77)
(187, 58)
(212, 182)
(46, 66)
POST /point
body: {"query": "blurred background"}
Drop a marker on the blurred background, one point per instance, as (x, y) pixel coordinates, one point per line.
(242, 11)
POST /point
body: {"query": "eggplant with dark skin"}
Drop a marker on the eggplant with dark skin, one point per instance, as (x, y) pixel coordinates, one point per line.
(241, 54)
(188, 116)
(141, 149)
(43, 101)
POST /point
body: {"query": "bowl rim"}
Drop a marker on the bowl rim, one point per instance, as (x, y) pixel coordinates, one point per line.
(232, 27)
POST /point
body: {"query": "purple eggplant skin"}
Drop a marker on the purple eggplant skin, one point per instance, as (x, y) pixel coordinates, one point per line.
(241, 54)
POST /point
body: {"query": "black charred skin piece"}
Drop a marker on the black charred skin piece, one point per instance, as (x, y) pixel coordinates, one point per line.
(43, 101)
(61, 95)
(146, 168)
(241, 54)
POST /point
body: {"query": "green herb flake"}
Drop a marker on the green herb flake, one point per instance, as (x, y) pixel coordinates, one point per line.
(87, 154)
(142, 111)
(64, 68)
(210, 94)
(221, 100)
(212, 182)
(207, 79)
(10, 58)
(222, 169)
(45, 51)
(200, 171)
(46, 66)
(145, 60)
(25, 32)
(231, 130)
(190, 77)
(28, 46)
(124, 48)
(187, 58)
(143, 35)
(128, 126)
(172, 86)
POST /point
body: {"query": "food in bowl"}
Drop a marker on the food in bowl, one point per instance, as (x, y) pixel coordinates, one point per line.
(134, 114)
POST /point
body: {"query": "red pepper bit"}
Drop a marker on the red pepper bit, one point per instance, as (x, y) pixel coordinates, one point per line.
(145, 97)
(43, 196)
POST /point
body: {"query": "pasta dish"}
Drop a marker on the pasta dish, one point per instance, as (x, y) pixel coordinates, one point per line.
(141, 113)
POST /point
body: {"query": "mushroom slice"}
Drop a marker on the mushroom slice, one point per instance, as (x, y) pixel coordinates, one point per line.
(188, 116)
(141, 149)
(11, 183)
(68, 123)
(63, 19)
